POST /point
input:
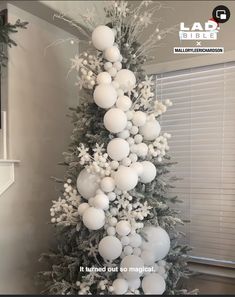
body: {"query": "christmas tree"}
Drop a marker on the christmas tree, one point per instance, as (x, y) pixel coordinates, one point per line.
(116, 231)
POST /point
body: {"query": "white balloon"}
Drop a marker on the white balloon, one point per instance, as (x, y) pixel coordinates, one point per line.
(112, 54)
(115, 120)
(138, 167)
(123, 228)
(153, 284)
(134, 284)
(87, 184)
(118, 149)
(120, 286)
(126, 178)
(104, 78)
(111, 231)
(158, 242)
(124, 134)
(126, 80)
(148, 257)
(150, 130)
(135, 240)
(149, 172)
(132, 267)
(128, 250)
(124, 103)
(142, 149)
(93, 218)
(107, 184)
(105, 95)
(112, 71)
(139, 118)
(82, 207)
(102, 37)
(110, 248)
(118, 65)
(101, 201)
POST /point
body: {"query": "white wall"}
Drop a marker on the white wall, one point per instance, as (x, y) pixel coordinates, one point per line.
(38, 98)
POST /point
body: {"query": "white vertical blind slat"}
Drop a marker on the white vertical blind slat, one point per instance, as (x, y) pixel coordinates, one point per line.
(202, 124)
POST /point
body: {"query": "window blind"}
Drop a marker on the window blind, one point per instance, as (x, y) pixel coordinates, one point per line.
(202, 124)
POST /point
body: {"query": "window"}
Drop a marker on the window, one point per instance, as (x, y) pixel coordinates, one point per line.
(202, 124)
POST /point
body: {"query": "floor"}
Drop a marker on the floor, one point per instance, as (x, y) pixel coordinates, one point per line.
(210, 284)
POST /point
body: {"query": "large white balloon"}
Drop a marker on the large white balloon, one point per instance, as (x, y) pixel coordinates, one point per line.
(112, 54)
(124, 103)
(87, 184)
(110, 248)
(150, 130)
(102, 37)
(104, 78)
(120, 286)
(132, 267)
(158, 242)
(115, 120)
(126, 79)
(126, 178)
(118, 149)
(153, 284)
(93, 218)
(105, 95)
(149, 172)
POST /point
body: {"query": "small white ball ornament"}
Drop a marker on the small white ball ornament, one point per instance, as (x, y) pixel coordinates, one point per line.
(124, 103)
(118, 65)
(142, 149)
(149, 172)
(148, 257)
(93, 218)
(107, 65)
(111, 196)
(82, 208)
(123, 228)
(138, 167)
(125, 240)
(139, 118)
(134, 284)
(126, 79)
(153, 284)
(150, 130)
(102, 37)
(107, 184)
(112, 54)
(132, 267)
(135, 240)
(101, 201)
(124, 134)
(158, 242)
(126, 178)
(118, 149)
(87, 184)
(120, 286)
(110, 248)
(128, 250)
(112, 71)
(105, 95)
(111, 231)
(104, 78)
(115, 120)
